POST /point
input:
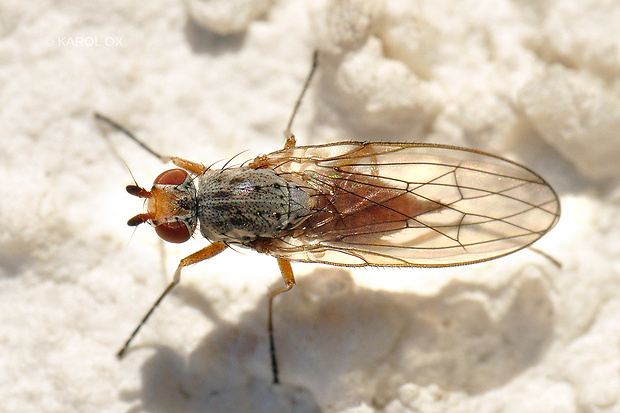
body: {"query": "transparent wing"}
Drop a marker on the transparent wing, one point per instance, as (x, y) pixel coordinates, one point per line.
(403, 204)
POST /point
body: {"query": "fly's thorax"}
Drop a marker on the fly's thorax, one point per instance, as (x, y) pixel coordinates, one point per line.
(240, 205)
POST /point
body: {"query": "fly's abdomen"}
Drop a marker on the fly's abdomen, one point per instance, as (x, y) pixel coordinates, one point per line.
(240, 205)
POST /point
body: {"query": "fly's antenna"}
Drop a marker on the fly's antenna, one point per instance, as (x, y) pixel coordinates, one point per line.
(131, 136)
(133, 178)
(287, 132)
(135, 189)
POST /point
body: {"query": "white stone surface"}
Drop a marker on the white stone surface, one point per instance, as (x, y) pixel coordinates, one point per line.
(536, 82)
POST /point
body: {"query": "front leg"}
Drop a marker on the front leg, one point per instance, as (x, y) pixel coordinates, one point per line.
(193, 167)
(204, 254)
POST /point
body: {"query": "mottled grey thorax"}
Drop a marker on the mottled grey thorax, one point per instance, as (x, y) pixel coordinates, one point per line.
(240, 205)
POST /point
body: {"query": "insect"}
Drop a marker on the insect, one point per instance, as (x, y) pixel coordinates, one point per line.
(350, 204)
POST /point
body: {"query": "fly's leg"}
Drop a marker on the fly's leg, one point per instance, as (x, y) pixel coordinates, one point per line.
(131, 136)
(189, 166)
(203, 254)
(547, 256)
(285, 266)
(193, 167)
(290, 138)
(289, 282)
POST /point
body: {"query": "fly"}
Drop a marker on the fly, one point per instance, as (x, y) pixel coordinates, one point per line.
(350, 204)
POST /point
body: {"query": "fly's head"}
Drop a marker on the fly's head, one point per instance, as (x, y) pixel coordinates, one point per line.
(171, 205)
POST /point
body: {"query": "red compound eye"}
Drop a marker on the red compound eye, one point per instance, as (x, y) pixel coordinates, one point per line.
(171, 177)
(175, 232)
